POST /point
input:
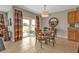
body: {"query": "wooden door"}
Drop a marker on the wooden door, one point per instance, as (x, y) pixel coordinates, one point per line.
(77, 35)
(77, 17)
(71, 34)
(71, 17)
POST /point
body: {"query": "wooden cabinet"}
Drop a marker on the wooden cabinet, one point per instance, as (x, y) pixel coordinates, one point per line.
(77, 17)
(77, 35)
(73, 34)
(73, 17)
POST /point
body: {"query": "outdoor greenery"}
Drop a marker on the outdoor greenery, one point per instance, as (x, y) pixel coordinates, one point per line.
(25, 24)
(25, 29)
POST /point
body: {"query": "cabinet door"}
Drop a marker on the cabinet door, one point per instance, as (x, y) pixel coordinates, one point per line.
(71, 34)
(77, 17)
(71, 17)
(77, 35)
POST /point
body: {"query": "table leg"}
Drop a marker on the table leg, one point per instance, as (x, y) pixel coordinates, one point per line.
(46, 41)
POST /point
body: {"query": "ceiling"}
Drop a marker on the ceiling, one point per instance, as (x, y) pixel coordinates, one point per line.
(38, 9)
(5, 8)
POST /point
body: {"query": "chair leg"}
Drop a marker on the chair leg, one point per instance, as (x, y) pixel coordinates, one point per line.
(36, 42)
(46, 41)
(49, 40)
(53, 42)
(41, 44)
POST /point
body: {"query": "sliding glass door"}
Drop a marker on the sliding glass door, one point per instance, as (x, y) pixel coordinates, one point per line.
(32, 28)
(28, 27)
(25, 27)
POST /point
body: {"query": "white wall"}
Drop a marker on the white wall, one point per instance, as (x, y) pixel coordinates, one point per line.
(44, 22)
(62, 26)
(26, 14)
(10, 28)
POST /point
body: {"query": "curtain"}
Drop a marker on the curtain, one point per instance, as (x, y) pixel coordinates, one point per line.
(37, 23)
(2, 24)
(18, 17)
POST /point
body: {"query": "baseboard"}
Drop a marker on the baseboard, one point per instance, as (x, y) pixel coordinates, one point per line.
(60, 36)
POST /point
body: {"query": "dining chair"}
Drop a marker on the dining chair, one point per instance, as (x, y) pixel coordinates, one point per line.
(52, 36)
(40, 37)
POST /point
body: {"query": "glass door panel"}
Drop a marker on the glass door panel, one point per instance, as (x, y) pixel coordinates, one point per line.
(25, 27)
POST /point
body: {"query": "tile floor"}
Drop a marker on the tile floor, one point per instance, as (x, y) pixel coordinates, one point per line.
(27, 45)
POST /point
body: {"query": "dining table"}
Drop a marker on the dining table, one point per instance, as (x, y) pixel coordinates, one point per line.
(46, 35)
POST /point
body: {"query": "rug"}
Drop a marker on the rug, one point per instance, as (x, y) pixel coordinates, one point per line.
(2, 47)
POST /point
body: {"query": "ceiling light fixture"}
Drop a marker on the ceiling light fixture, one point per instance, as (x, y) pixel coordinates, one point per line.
(45, 12)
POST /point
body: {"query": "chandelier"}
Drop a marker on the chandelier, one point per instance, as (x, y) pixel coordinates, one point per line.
(45, 12)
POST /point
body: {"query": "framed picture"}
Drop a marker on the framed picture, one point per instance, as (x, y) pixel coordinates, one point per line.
(10, 22)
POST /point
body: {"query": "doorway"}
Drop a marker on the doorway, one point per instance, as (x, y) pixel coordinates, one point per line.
(28, 27)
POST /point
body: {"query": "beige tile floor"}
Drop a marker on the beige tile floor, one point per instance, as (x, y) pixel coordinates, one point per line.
(27, 45)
